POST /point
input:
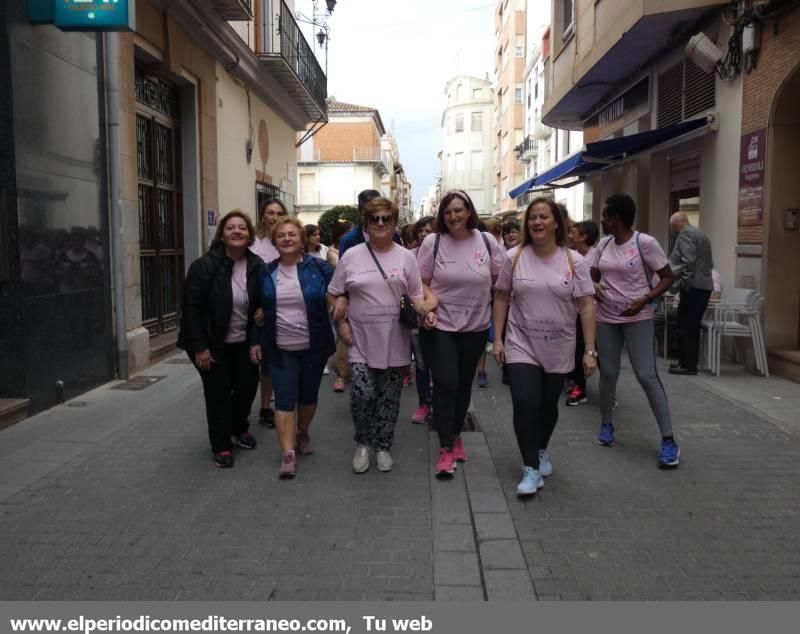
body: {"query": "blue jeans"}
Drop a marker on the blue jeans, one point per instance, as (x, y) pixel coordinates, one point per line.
(296, 381)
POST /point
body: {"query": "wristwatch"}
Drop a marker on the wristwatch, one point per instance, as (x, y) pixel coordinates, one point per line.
(591, 353)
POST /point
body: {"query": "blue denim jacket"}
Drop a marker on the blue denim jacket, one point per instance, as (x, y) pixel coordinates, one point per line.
(314, 276)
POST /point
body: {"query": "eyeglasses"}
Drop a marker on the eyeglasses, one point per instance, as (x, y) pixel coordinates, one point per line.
(376, 220)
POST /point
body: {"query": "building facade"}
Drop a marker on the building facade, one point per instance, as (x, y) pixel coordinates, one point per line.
(509, 71)
(467, 140)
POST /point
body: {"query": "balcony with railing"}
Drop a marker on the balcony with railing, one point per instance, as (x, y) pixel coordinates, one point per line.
(287, 55)
(234, 10)
(369, 154)
(526, 150)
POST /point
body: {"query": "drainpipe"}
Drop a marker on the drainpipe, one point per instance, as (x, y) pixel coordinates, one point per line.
(115, 220)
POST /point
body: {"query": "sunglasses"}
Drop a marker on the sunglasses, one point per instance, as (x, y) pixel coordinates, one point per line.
(376, 220)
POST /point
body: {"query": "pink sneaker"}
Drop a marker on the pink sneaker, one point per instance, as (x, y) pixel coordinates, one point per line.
(459, 455)
(421, 415)
(338, 385)
(446, 466)
(407, 379)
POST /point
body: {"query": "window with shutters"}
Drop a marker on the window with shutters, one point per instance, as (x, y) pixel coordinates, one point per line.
(684, 91)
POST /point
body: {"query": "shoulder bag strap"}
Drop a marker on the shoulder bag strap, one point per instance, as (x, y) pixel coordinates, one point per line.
(571, 261)
(436, 248)
(644, 264)
(486, 242)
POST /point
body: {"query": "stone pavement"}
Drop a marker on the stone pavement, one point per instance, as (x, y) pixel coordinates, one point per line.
(113, 497)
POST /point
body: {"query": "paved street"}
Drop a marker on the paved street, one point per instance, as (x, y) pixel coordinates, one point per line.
(115, 497)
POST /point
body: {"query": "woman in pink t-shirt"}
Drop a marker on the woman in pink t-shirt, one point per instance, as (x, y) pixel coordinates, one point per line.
(272, 210)
(375, 275)
(540, 288)
(623, 267)
(459, 265)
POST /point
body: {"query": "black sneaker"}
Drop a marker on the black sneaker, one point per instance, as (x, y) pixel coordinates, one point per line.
(267, 416)
(223, 459)
(246, 440)
(577, 397)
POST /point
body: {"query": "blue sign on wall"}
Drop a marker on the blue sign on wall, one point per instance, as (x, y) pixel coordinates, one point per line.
(94, 15)
(41, 11)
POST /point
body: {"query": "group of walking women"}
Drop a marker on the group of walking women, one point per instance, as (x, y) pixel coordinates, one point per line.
(249, 304)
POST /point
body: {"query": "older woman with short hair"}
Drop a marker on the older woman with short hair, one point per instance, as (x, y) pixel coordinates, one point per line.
(375, 275)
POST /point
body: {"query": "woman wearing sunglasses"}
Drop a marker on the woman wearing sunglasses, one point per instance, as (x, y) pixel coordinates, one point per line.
(459, 265)
(374, 275)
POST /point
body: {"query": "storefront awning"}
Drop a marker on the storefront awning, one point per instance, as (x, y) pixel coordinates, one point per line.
(601, 155)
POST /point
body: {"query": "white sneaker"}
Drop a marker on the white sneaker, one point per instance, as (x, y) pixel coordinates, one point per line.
(545, 467)
(326, 371)
(531, 482)
(384, 460)
(361, 459)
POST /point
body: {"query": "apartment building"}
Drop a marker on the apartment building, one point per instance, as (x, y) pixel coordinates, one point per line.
(350, 154)
(509, 70)
(210, 96)
(468, 140)
(687, 131)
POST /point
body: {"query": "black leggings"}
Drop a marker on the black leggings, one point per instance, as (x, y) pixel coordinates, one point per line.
(534, 396)
(452, 358)
(577, 374)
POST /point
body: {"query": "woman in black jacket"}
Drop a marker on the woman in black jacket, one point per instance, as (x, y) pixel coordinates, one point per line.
(220, 297)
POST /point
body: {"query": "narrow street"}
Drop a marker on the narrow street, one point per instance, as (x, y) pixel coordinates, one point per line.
(113, 496)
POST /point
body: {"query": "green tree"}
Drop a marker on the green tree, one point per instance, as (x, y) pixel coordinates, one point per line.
(329, 219)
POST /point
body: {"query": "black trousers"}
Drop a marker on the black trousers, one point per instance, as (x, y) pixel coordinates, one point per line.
(534, 398)
(577, 375)
(229, 388)
(452, 358)
(691, 308)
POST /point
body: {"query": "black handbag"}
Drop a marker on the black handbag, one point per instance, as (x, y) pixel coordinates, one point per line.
(408, 314)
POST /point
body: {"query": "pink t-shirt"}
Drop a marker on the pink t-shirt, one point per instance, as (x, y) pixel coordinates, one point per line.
(462, 279)
(237, 326)
(291, 320)
(624, 276)
(264, 249)
(541, 318)
(378, 338)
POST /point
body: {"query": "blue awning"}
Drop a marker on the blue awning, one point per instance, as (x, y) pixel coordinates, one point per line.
(601, 155)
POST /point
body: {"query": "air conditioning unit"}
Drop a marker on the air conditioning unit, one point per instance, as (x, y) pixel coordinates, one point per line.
(703, 52)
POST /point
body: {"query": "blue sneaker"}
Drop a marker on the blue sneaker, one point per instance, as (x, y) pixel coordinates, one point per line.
(483, 380)
(545, 467)
(606, 436)
(670, 454)
(531, 482)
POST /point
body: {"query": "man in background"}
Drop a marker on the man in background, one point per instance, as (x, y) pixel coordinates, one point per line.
(691, 263)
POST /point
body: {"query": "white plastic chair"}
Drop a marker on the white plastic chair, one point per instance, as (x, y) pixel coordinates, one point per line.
(738, 321)
(732, 299)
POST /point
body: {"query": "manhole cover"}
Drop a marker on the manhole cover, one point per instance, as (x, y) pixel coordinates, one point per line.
(178, 361)
(138, 383)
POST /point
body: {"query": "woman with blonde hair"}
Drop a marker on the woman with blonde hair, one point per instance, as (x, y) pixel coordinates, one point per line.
(296, 337)
(219, 301)
(541, 286)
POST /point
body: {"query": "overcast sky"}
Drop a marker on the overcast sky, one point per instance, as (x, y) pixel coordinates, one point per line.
(397, 55)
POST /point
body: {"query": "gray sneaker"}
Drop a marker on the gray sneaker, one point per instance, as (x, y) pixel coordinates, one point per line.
(288, 468)
(545, 467)
(384, 460)
(361, 459)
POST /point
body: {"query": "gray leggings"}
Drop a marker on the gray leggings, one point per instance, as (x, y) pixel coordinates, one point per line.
(638, 339)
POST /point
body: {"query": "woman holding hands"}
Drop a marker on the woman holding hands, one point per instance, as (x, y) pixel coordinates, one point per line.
(540, 285)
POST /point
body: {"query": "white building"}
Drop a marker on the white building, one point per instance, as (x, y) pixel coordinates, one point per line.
(467, 128)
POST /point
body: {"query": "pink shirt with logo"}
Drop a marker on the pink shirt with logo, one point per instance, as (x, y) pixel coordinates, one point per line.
(624, 276)
(264, 249)
(237, 326)
(379, 340)
(291, 320)
(541, 326)
(462, 279)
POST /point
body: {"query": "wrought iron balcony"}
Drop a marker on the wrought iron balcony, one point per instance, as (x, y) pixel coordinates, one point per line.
(526, 150)
(291, 60)
(234, 10)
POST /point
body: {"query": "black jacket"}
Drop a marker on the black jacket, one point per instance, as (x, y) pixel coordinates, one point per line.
(208, 300)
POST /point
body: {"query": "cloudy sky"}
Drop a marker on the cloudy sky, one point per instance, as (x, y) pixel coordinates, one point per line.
(397, 55)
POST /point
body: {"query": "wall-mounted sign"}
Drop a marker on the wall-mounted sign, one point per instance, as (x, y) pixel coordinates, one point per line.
(791, 219)
(752, 163)
(84, 15)
(631, 105)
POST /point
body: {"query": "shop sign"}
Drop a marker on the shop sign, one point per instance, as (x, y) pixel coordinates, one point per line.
(632, 104)
(84, 15)
(752, 163)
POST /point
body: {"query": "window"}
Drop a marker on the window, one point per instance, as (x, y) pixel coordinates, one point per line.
(476, 160)
(505, 56)
(476, 121)
(519, 46)
(518, 95)
(308, 189)
(460, 122)
(477, 94)
(504, 145)
(459, 161)
(505, 187)
(458, 92)
(568, 17)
